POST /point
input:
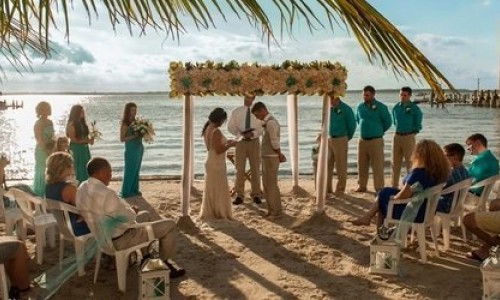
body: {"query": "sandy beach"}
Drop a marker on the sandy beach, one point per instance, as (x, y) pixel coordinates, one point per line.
(298, 256)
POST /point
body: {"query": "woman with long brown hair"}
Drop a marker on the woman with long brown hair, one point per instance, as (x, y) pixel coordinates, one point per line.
(429, 168)
(134, 150)
(77, 131)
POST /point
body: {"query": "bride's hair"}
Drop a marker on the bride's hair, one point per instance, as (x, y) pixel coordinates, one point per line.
(217, 116)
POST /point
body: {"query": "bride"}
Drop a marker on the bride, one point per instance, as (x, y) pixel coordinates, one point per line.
(216, 203)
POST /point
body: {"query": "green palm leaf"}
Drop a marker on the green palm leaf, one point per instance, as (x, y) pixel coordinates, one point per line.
(27, 24)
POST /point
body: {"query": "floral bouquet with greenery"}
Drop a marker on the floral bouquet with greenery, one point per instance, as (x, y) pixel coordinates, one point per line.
(143, 128)
(94, 133)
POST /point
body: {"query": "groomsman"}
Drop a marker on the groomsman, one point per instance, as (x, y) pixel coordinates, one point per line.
(271, 157)
(408, 122)
(374, 120)
(341, 131)
(247, 129)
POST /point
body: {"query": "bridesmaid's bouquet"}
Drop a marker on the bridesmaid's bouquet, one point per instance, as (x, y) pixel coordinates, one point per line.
(94, 133)
(143, 128)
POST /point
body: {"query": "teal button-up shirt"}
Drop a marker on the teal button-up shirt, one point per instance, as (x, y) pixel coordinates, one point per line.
(373, 118)
(342, 122)
(407, 117)
(484, 166)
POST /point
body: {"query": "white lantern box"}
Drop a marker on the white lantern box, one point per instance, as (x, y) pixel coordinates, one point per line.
(384, 257)
(490, 269)
(154, 280)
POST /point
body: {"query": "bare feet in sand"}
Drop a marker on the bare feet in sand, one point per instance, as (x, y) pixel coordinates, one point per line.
(360, 190)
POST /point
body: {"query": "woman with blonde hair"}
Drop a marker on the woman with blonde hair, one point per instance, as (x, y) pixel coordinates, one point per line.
(59, 186)
(77, 131)
(44, 136)
(429, 168)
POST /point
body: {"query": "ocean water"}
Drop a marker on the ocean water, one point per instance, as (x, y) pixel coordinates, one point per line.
(164, 156)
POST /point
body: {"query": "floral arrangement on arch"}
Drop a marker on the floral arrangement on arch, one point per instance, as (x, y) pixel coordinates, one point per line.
(290, 77)
(143, 128)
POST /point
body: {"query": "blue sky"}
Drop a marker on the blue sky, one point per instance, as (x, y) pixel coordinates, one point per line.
(461, 37)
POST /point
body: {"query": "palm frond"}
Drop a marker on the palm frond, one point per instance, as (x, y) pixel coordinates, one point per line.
(28, 25)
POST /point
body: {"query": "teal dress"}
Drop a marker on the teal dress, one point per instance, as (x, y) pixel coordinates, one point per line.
(41, 157)
(133, 160)
(81, 155)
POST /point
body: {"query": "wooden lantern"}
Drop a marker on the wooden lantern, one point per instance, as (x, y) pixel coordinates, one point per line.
(384, 257)
(490, 269)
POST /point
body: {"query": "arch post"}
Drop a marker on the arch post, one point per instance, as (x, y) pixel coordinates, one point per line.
(292, 118)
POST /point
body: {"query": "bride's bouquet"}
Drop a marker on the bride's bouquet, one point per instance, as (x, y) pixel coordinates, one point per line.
(143, 128)
(94, 133)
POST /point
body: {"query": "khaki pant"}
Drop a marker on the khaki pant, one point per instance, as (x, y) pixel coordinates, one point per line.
(270, 166)
(248, 149)
(371, 153)
(402, 148)
(164, 230)
(337, 157)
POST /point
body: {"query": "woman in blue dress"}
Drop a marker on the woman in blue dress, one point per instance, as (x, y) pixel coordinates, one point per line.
(59, 187)
(77, 131)
(44, 136)
(429, 168)
(134, 150)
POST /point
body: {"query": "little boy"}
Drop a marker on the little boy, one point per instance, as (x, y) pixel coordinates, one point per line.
(455, 154)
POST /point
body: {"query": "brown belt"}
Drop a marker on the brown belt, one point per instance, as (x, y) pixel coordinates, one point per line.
(405, 133)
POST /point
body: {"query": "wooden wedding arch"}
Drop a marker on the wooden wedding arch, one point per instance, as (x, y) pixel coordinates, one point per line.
(289, 78)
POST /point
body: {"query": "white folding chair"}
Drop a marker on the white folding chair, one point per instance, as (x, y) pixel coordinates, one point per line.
(11, 215)
(443, 220)
(61, 212)
(432, 196)
(106, 246)
(36, 217)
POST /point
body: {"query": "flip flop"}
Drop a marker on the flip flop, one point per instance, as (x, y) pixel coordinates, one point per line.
(473, 255)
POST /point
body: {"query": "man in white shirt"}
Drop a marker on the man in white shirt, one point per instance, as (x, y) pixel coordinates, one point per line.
(271, 157)
(245, 127)
(93, 196)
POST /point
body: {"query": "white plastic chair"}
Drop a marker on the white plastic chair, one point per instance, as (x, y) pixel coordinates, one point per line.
(61, 212)
(487, 185)
(36, 217)
(443, 220)
(11, 215)
(432, 195)
(106, 246)
(4, 287)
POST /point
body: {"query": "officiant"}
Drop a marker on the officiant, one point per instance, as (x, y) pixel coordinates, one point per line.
(247, 129)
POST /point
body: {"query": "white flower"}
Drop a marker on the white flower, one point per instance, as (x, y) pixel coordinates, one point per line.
(94, 133)
(143, 128)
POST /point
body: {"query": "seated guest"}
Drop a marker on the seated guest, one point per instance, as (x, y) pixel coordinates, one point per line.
(486, 226)
(485, 165)
(14, 256)
(62, 144)
(95, 197)
(455, 155)
(59, 171)
(429, 168)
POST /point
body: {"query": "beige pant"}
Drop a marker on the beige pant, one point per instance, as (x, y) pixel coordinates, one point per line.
(248, 149)
(164, 230)
(270, 166)
(337, 157)
(402, 148)
(371, 153)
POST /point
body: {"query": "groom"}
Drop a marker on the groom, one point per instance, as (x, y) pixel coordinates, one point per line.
(271, 158)
(244, 126)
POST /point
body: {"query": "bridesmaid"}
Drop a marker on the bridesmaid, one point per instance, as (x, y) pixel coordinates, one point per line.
(133, 152)
(44, 136)
(78, 131)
